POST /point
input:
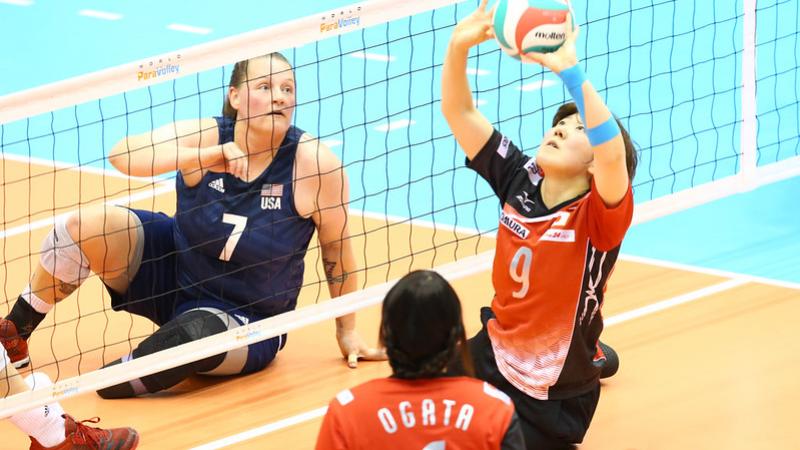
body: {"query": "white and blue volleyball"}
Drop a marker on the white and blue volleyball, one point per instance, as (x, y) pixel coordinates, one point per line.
(524, 26)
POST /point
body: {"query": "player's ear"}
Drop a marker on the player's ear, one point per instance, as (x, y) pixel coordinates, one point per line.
(233, 97)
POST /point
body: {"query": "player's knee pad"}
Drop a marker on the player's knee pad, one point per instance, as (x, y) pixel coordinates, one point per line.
(61, 257)
(187, 327)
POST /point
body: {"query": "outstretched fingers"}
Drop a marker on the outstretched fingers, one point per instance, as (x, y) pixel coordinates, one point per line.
(573, 30)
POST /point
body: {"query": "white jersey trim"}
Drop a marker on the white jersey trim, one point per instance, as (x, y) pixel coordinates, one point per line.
(345, 397)
(493, 392)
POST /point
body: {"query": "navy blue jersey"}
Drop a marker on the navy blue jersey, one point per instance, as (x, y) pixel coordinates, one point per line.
(242, 243)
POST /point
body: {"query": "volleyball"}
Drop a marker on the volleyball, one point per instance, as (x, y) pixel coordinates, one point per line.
(524, 26)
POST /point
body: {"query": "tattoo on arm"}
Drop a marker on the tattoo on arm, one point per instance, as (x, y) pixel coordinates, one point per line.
(330, 266)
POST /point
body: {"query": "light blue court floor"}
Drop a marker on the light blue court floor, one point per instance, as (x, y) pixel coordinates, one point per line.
(755, 233)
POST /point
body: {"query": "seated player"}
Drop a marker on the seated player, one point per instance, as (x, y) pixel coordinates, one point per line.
(564, 215)
(251, 190)
(421, 406)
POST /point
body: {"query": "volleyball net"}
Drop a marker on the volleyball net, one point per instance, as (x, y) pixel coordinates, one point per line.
(709, 93)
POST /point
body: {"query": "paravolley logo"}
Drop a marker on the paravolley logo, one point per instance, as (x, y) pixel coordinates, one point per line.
(157, 69)
(345, 19)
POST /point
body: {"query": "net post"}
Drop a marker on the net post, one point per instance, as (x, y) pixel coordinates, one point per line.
(748, 143)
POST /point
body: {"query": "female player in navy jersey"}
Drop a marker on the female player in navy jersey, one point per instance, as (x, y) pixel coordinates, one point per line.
(251, 190)
(564, 215)
(422, 405)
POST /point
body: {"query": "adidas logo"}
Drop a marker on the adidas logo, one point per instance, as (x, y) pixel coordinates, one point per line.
(217, 185)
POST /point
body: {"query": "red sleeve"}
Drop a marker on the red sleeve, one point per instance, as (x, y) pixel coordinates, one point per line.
(331, 433)
(607, 226)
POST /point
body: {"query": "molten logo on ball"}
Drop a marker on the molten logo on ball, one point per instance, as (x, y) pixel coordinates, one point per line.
(524, 26)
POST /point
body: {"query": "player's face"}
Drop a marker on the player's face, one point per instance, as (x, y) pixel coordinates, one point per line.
(565, 148)
(267, 97)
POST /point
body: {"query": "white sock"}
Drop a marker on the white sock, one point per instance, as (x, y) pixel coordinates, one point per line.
(41, 306)
(43, 423)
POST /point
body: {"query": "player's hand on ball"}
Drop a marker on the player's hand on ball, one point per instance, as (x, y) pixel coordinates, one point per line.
(353, 348)
(475, 28)
(563, 58)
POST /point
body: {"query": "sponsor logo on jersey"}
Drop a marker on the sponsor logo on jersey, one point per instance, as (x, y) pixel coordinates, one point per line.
(555, 235)
(271, 196)
(502, 149)
(534, 173)
(514, 226)
(524, 200)
(217, 185)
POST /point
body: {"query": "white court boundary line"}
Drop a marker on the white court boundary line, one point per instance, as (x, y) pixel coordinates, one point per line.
(610, 321)
(265, 429)
(707, 271)
(158, 189)
(61, 165)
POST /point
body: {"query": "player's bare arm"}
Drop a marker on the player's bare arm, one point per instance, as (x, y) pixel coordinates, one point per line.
(608, 168)
(470, 128)
(323, 187)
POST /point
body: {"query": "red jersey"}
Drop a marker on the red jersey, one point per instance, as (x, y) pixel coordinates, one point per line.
(426, 414)
(550, 272)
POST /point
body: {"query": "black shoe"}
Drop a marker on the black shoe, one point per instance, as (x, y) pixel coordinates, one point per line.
(611, 364)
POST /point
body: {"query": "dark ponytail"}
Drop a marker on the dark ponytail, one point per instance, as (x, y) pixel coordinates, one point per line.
(422, 327)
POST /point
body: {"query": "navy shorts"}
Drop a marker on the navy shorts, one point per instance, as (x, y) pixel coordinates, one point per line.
(153, 291)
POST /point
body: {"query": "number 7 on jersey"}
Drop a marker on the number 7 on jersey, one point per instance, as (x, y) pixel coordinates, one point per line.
(238, 222)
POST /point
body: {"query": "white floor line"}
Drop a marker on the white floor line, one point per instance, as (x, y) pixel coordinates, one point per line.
(610, 321)
(674, 301)
(395, 125)
(158, 189)
(706, 271)
(373, 56)
(71, 166)
(99, 14)
(188, 28)
(260, 431)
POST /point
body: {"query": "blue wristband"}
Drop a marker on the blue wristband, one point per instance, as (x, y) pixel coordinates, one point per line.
(604, 132)
(573, 79)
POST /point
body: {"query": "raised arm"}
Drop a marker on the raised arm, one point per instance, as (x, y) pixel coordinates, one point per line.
(189, 146)
(331, 193)
(470, 128)
(609, 169)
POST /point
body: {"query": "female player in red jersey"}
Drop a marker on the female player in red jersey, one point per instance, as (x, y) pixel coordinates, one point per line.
(564, 215)
(422, 405)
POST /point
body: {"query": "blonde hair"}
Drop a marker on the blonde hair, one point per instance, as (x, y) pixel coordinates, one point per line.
(239, 76)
